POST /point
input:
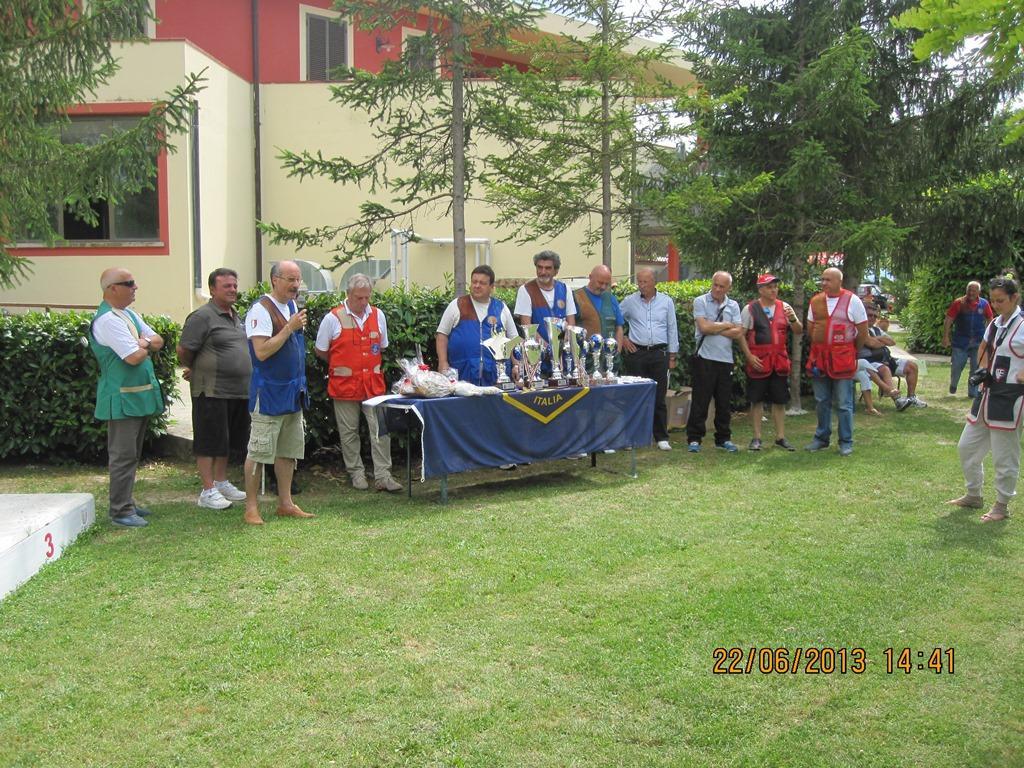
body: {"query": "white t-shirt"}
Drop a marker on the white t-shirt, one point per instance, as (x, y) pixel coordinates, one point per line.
(524, 304)
(450, 318)
(257, 319)
(330, 327)
(855, 311)
(112, 331)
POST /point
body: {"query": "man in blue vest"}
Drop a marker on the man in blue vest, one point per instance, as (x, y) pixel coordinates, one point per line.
(968, 317)
(277, 390)
(544, 296)
(127, 393)
(466, 323)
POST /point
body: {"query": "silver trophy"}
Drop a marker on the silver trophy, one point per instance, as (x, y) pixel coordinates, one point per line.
(554, 326)
(533, 353)
(578, 352)
(596, 348)
(611, 346)
(501, 348)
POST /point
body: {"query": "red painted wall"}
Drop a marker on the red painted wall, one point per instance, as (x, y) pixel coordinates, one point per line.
(223, 29)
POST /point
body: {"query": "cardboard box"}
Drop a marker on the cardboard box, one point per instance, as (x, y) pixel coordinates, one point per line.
(678, 404)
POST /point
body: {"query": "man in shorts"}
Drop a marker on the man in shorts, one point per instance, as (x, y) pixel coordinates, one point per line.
(879, 358)
(766, 323)
(215, 357)
(277, 391)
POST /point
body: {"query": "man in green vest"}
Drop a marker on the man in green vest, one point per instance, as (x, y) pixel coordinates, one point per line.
(127, 393)
(597, 309)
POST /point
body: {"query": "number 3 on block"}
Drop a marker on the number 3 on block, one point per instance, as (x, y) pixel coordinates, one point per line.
(50, 549)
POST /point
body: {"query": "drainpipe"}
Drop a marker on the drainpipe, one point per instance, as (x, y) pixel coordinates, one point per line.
(197, 235)
(257, 176)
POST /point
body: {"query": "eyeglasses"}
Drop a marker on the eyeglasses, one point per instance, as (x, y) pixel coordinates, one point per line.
(126, 283)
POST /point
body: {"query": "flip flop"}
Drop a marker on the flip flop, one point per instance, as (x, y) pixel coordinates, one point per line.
(990, 517)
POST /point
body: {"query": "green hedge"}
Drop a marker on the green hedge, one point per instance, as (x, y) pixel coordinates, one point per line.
(49, 386)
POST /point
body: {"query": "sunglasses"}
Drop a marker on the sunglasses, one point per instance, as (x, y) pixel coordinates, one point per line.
(126, 283)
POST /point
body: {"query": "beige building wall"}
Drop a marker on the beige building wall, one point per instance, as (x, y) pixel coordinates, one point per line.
(301, 117)
(226, 191)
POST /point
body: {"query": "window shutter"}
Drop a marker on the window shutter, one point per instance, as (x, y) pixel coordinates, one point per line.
(337, 37)
(316, 47)
(326, 42)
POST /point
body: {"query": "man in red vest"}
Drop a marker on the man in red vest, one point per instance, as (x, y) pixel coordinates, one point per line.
(766, 322)
(351, 339)
(838, 326)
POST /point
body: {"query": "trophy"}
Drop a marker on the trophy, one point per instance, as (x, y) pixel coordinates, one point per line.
(501, 348)
(533, 352)
(578, 352)
(596, 347)
(611, 346)
(553, 326)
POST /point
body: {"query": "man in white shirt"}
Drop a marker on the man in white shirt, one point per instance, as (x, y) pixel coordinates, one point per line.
(467, 322)
(277, 390)
(351, 339)
(127, 392)
(544, 296)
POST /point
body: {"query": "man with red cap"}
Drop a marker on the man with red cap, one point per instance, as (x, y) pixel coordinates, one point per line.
(766, 322)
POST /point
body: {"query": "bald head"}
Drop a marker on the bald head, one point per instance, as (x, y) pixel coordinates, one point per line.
(116, 291)
(832, 281)
(721, 282)
(600, 279)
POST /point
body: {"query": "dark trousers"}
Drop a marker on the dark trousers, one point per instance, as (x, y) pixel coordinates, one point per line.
(124, 449)
(711, 379)
(652, 363)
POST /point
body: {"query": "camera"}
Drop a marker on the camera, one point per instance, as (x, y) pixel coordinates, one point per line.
(980, 377)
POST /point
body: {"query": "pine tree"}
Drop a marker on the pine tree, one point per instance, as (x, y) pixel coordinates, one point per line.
(53, 56)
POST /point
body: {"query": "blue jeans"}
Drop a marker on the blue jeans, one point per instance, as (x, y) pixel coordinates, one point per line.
(824, 390)
(960, 356)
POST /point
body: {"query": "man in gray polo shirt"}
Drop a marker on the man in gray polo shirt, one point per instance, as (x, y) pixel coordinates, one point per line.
(716, 320)
(215, 355)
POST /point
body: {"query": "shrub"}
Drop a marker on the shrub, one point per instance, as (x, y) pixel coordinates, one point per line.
(49, 391)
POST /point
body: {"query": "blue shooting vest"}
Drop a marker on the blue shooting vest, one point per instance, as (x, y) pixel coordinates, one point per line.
(465, 353)
(540, 309)
(969, 325)
(279, 382)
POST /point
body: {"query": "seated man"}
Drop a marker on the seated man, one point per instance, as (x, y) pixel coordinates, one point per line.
(868, 375)
(885, 366)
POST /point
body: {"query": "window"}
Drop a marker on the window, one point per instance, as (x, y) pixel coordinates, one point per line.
(144, 23)
(136, 218)
(419, 50)
(327, 46)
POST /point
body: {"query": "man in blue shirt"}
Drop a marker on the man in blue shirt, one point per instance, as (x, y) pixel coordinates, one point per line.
(716, 320)
(652, 343)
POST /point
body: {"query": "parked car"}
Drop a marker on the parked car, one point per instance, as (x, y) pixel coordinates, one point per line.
(871, 292)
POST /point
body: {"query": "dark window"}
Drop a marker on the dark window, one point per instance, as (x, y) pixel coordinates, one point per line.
(326, 39)
(420, 52)
(134, 218)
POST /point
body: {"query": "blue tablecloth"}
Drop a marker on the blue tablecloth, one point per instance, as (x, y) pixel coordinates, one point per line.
(463, 433)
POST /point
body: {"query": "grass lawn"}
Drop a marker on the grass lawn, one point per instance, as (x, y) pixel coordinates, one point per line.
(560, 616)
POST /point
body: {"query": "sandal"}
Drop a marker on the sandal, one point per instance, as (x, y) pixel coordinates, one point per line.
(994, 517)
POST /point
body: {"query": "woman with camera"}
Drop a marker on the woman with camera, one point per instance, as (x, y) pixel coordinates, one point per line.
(994, 422)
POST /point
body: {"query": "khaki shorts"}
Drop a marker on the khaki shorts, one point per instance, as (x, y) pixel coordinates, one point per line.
(276, 437)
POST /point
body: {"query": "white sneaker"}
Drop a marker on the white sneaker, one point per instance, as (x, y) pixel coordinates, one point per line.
(664, 445)
(211, 498)
(228, 491)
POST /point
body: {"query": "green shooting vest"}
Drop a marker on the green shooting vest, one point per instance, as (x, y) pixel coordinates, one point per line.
(124, 390)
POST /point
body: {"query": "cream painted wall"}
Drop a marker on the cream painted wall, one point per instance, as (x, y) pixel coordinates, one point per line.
(301, 116)
(147, 73)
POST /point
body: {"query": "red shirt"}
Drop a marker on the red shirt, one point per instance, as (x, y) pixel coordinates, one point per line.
(954, 308)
